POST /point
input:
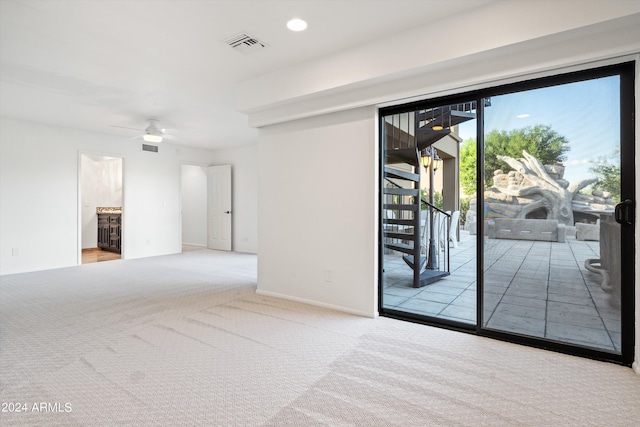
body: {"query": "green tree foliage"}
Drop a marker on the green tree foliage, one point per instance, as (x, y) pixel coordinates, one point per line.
(464, 208)
(608, 175)
(540, 141)
(468, 166)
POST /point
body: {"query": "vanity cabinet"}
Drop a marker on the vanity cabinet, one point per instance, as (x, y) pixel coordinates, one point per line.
(109, 232)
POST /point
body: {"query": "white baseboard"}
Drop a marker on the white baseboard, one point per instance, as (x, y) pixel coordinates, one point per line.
(636, 367)
(194, 244)
(317, 303)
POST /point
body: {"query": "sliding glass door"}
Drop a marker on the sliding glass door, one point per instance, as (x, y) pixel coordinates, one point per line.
(552, 182)
(429, 247)
(509, 212)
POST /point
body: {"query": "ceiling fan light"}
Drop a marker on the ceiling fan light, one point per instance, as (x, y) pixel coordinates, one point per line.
(152, 138)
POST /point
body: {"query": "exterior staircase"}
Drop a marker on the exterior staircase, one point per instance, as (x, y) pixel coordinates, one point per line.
(402, 218)
(404, 136)
(402, 222)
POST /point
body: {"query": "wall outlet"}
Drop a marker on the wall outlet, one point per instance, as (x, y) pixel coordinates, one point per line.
(328, 275)
(15, 252)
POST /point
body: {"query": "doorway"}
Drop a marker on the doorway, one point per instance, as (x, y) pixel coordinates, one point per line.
(101, 208)
(541, 250)
(206, 207)
(193, 202)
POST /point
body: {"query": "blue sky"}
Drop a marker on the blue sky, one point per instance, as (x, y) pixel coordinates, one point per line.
(587, 113)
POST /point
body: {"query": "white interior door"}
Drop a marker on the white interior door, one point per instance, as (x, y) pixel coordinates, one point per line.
(219, 207)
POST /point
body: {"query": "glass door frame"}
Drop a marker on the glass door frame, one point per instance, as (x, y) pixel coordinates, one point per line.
(626, 72)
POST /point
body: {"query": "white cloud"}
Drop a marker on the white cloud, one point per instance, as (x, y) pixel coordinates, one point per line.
(578, 162)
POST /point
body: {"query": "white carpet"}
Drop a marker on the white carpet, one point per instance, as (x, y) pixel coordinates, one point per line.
(184, 340)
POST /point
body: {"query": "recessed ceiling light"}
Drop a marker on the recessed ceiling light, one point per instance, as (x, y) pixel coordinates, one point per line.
(297, 24)
(522, 116)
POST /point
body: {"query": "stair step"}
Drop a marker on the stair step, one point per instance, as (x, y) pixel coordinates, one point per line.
(402, 191)
(402, 155)
(394, 221)
(400, 235)
(400, 247)
(409, 260)
(397, 173)
(427, 136)
(400, 207)
(430, 276)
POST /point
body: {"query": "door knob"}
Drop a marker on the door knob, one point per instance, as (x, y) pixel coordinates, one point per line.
(227, 212)
(624, 212)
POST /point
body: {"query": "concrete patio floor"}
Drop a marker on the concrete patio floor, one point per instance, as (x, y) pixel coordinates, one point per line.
(532, 288)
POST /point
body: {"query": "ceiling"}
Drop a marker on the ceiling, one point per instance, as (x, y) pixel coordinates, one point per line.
(96, 64)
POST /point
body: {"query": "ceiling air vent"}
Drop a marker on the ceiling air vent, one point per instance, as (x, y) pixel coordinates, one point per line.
(244, 43)
(152, 148)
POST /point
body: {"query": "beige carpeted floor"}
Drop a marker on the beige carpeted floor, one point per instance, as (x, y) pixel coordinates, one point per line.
(183, 340)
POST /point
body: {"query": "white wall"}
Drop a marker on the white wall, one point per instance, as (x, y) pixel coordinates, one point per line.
(317, 202)
(39, 194)
(101, 186)
(194, 205)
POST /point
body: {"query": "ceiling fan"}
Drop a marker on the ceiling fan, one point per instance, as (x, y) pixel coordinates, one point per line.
(153, 132)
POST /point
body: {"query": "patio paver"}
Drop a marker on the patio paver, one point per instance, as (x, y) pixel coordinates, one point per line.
(535, 288)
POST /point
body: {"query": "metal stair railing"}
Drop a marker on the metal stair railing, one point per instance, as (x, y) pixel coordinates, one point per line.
(442, 244)
(442, 238)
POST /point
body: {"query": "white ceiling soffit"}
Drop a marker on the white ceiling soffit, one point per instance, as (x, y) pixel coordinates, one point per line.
(381, 73)
(93, 63)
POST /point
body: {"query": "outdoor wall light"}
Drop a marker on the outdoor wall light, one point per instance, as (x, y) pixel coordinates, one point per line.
(430, 154)
(437, 162)
(426, 158)
(431, 162)
(437, 128)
